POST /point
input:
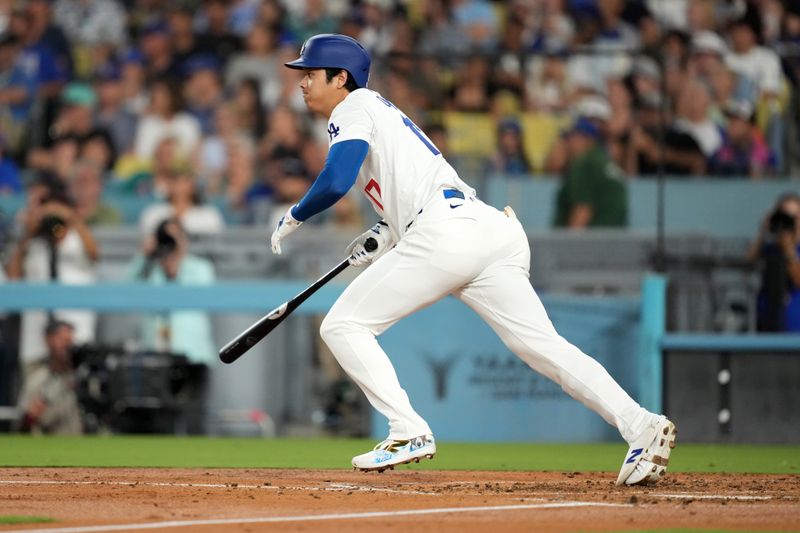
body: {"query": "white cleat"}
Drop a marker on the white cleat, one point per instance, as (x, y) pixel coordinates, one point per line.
(393, 452)
(648, 456)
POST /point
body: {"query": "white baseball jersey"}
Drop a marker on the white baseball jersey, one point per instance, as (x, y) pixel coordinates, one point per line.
(403, 169)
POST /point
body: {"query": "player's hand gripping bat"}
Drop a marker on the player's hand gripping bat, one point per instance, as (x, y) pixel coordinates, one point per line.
(249, 337)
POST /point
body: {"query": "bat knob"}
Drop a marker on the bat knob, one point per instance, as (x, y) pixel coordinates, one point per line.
(370, 244)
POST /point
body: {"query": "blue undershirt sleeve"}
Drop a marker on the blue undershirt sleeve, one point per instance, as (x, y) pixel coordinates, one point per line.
(340, 172)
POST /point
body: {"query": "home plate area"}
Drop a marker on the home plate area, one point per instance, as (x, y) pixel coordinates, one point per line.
(123, 499)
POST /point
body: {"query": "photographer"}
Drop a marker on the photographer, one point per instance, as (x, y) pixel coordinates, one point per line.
(54, 245)
(166, 259)
(48, 403)
(777, 251)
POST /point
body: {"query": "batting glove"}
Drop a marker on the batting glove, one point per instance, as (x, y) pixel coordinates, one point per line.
(286, 225)
(359, 255)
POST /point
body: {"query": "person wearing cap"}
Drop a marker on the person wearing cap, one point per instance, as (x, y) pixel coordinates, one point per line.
(111, 111)
(203, 90)
(744, 152)
(593, 192)
(48, 403)
(510, 158)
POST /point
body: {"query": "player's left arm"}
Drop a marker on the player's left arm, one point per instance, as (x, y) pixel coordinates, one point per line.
(337, 177)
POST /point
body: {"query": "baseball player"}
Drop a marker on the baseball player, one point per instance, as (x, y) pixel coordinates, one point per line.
(435, 238)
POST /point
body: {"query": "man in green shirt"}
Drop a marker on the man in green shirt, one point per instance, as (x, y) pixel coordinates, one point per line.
(593, 193)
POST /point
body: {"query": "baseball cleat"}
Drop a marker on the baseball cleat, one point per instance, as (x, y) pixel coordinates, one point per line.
(393, 452)
(648, 456)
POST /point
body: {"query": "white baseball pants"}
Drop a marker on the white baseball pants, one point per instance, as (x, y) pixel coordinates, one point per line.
(481, 256)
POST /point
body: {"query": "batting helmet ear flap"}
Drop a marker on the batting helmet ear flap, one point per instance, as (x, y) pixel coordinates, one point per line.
(331, 50)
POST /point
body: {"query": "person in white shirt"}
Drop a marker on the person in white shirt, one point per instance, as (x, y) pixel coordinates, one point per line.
(436, 238)
(165, 119)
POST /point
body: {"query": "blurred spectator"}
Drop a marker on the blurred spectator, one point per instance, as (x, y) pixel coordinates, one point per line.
(166, 259)
(37, 60)
(642, 152)
(48, 403)
(762, 66)
(693, 119)
(165, 118)
(620, 122)
(250, 112)
(225, 159)
(442, 37)
(111, 112)
(777, 251)
(55, 245)
(133, 77)
(86, 189)
(284, 137)
(257, 62)
(477, 20)
(614, 31)
(215, 17)
(283, 184)
(552, 28)
(185, 203)
(708, 64)
(47, 39)
(95, 28)
(158, 56)
(10, 179)
(548, 85)
(242, 16)
(593, 193)
(202, 90)
(17, 92)
(89, 22)
(510, 158)
(744, 151)
(310, 19)
(185, 42)
(74, 125)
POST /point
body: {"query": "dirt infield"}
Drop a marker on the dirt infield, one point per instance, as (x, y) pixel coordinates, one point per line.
(245, 500)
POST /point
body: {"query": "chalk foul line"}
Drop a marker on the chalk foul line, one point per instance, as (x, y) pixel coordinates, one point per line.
(317, 518)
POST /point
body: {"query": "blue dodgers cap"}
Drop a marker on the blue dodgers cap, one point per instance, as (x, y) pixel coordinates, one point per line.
(153, 27)
(198, 62)
(332, 50)
(584, 126)
(133, 55)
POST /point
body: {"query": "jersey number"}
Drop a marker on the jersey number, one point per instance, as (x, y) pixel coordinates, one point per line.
(413, 127)
(373, 192)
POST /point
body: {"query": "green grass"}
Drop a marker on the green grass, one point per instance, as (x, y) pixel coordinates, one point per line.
(20, 519)
(162, 451)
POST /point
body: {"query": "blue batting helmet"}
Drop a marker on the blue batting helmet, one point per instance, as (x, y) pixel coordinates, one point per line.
(331, 50)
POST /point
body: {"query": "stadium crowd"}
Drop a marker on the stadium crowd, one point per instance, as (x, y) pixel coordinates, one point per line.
(137, 91)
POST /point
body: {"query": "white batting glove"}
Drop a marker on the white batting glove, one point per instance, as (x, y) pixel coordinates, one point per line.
(359, 255)
(286, 225)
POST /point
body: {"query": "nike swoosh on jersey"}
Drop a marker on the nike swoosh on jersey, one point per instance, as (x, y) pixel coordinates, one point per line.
(454, 206)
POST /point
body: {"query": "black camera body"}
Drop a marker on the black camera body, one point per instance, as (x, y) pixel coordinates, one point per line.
(52, 228)
(781, 221)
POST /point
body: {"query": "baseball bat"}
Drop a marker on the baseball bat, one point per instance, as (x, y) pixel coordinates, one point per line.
(260, 329)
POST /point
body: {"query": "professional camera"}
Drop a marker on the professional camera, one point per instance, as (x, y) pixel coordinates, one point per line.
(165, 243)
(51, 228)
(781, 221)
